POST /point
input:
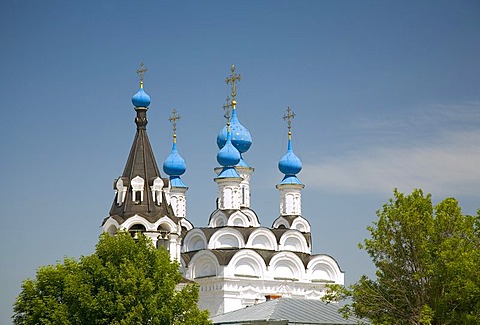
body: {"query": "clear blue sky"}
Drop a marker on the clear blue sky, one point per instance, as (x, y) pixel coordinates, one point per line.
(386, 95)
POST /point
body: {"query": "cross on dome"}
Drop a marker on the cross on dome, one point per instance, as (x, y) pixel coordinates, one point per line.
(288, 118)
(290, 164)
(240, 136)
(226, 108)
(141, 73)
(141, 98)
(233, 79)
(173, 119)
(175, 165)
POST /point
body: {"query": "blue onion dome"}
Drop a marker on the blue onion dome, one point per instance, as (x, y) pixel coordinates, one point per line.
(141, 98)
(174, 165)
(228, 155)
(241, 137)
(176, 181)
(290, 164)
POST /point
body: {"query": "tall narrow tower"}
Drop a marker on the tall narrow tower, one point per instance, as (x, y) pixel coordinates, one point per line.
(228, 179)
(233, 201)
(240, 136)
(140, 203)
(175, 166)
(291, 187)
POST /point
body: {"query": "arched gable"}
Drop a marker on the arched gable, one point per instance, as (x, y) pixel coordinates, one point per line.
(218, 219)
(166, 223)
(323, 268)
(286, 265)
(203, 264)
(252, 217)
(280, 222)
(135, 220)
(226, 238)
(239, 219)
(186, 224)
(247, 263)
(111, 226)
(262, 238)
(293, 240)
(194, 240)
(301, 224)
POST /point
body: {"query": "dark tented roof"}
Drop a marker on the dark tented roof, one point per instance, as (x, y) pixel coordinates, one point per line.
(141, 162)
(288, 310)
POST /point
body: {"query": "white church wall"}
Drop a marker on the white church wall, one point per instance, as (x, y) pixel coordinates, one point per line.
(221, 295)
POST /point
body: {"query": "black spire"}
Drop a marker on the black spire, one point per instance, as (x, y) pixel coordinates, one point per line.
(141, 165)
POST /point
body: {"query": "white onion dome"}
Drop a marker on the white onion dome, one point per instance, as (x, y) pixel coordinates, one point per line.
(241, 137)
(174, 165)
(290, 164)
(141, 98)
(228, 155)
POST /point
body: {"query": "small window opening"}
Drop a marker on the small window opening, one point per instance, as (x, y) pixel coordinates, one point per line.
(138, 197)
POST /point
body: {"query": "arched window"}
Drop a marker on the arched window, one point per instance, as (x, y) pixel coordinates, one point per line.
(136, 228)
(138, 184)
(157, 190)
(163, 238)
(120, 190)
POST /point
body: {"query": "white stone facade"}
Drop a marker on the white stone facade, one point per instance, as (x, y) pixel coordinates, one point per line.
(246, 278)
(237, 262)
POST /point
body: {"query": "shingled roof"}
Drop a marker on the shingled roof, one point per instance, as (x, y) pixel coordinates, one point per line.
(141, 162)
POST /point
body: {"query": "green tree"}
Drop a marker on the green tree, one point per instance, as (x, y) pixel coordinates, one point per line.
(126, 281)
(428, 265)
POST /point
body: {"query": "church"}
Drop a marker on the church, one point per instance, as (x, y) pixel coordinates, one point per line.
(236, 261)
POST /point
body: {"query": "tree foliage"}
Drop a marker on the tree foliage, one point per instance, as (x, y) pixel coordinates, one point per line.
(126, 281)
(428, 265)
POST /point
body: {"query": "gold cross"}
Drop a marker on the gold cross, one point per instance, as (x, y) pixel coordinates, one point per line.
(289, 117)
(228, 104)
(173, 119)
(141, 72)
(233, 79)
